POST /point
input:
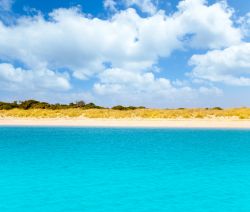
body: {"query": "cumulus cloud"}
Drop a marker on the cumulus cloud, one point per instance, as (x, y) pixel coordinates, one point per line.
(147, 6)
(130, 88)
(110, 5)
(230, 65)
(16, 79)
(207, 26)
(69, 39)
(88, 47)
(244, 22)
(6, 5)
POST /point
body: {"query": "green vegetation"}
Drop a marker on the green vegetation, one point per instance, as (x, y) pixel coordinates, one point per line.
(216, 108)
(120, 107)
(36, 109)
(33, 104)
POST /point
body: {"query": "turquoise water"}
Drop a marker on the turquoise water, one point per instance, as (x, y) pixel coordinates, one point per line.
(132, 170)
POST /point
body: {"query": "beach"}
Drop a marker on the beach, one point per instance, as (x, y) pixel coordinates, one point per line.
(145, 123)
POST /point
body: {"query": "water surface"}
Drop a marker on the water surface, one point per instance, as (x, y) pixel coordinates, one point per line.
(97, 169)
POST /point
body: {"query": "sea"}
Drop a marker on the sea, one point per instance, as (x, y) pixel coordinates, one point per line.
(60, 169)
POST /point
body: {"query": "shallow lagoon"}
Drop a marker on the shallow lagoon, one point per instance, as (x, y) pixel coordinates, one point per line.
(105, 169)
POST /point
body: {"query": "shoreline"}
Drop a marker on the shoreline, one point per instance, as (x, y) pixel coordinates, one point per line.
(126, 123)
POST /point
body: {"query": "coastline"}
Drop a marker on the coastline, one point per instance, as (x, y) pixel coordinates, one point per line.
(127, 123)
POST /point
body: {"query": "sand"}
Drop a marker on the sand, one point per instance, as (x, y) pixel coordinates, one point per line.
(147, 123)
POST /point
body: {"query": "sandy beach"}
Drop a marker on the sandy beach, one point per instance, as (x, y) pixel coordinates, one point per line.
(151, 123)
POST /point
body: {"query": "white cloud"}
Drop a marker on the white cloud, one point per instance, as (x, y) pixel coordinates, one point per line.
(208, 26)
(147, 6)
(125, 87)
(210, 91)
(18, 79)
(6, 5)
(135, 81)
(230, 66)
(82, 45)
(110, 5)
(245, 24)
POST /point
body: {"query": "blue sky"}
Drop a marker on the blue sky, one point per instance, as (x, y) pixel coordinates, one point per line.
(95, 7)
(157, 53)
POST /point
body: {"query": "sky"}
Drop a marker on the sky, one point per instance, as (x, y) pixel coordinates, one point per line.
(155, 53)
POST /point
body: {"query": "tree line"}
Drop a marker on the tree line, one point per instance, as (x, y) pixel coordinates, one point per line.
(34, 104)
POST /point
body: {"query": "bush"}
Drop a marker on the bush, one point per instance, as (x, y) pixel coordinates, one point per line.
(119, 107)
(217, 108)
(28, 104)
(8, 106)
(92, 106)
(34, 104)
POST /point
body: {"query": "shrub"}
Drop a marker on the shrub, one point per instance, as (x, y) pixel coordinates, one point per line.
(119, 107)
(217, 108)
